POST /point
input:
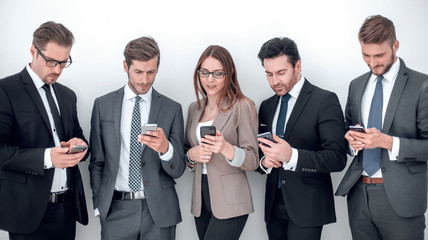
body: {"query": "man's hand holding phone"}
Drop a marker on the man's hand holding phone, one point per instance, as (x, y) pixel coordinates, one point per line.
(276, 152)
(154, 137)
(69, 154)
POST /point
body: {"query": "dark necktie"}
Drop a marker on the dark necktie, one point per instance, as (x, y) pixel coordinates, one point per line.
(54, 110)
(280, 124)
(371, 157)
(135, 148)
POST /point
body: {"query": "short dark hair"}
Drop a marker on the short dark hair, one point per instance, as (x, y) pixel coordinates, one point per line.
(377, 29)
(280, 46)
(141, 49)
(52, 31)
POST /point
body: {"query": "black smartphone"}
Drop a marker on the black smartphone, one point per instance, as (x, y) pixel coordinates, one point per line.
(77, 149)
(207, 130)
(266, 135)
(357, 129)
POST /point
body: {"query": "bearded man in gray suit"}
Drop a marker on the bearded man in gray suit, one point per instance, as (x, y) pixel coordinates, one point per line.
(132, 175)
(386, 182)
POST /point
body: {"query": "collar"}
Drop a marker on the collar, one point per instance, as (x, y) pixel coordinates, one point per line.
(36, 79)
(295, 91)
(392, 72)
(129, 94)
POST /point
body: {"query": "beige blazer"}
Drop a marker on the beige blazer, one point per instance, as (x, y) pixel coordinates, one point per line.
(228, 186)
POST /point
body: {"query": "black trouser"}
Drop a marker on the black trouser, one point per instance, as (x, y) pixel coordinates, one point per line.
(209, 227)
(57, 223)
(280, 227)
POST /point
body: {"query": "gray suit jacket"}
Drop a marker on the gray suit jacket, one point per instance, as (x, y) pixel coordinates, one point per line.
(406, 117)
(158, 175)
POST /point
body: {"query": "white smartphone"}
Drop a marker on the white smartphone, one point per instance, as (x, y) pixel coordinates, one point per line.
(77, 149)
(148, 127)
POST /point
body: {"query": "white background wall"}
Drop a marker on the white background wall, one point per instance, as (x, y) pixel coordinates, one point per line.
(325, 32)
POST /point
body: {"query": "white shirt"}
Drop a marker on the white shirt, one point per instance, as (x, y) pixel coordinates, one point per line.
(294, 94)
(59, 183)
(128, 103)
(387, 86)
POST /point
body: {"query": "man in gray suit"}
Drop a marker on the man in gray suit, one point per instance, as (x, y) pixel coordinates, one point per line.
(132, 175)
(386, 182)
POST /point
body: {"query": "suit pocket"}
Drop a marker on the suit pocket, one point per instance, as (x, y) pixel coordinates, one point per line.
(235, 188)
(417, 167)
(13, 177)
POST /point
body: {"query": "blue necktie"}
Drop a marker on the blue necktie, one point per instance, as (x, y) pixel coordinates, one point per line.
(280, 124)
(371, 157)
(135, 148)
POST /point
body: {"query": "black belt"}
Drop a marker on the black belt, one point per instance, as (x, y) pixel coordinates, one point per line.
(57, 197)
(128, 195)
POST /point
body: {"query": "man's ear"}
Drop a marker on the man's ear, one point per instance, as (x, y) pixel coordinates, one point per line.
(125, 66)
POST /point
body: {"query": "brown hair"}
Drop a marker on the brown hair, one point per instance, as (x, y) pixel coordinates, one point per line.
(377, 29)
(142, 49)
(52, 31)
(232, 92)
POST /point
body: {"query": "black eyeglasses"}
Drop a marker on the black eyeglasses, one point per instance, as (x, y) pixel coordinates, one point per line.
(205, 74)
(54, 63)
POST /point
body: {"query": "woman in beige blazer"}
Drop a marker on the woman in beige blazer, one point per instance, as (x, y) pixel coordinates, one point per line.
(221, 199)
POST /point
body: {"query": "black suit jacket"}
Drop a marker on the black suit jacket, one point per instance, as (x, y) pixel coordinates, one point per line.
(24, 135)
(316, 129)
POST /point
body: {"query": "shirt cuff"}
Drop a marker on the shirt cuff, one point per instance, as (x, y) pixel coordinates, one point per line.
(238, 158)
(168, 155)
(268, 170)
(47, 159)
(96, 212)
(393, 154)
(292, 164)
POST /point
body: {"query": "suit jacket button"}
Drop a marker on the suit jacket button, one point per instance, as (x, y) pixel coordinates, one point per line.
(146, 183)
(283, 182)
(171, 166)
(143, 164)
(383, 169)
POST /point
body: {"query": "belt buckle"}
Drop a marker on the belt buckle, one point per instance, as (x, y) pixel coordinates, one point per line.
(137, 195)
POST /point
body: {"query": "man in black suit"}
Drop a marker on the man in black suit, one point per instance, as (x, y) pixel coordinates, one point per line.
(386, 183)
(41, 190)
(308, 127)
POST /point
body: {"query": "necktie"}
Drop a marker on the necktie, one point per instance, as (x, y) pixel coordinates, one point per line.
(371, 157)
(135, 148)
(280, 124)
(54, 111)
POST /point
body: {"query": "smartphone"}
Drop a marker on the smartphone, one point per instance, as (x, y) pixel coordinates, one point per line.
(266, 135)
(77, 149)
(208, 130)
(357, 129)
(148, 127)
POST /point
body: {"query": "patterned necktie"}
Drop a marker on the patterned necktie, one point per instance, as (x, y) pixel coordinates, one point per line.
(371, 157)
(135, 148)
(55, 112)
(280, 124)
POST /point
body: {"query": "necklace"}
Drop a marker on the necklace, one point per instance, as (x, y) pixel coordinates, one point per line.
(211, 107)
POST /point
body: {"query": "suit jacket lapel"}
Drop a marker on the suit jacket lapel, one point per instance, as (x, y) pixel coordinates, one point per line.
(222, 117)
(117, 111)
(195, 117)
(155, 106)
(301, 101)
(270, 110)
(65, 113)
(359, 91)
(396, 93)
(35, 96)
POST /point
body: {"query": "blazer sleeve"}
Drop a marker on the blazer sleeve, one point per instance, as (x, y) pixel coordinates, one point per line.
(332, 156)
(97, 160)
(176, 166)
(415, 149)
(13, 157)
(247, 135)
